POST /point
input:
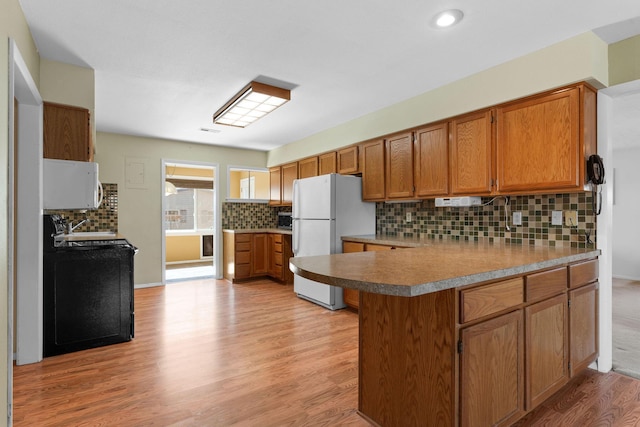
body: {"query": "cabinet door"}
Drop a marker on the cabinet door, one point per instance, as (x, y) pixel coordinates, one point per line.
(537, 143)
(259, 255)
(546, 338)
(327, 163)
(275, 186)
(352, 296)
(470, 154)
(583, 327)
(432, 161)
(399, 166)
(289, 174)
(347, 159)
(308, 167)
(491, 371)
(67, 133)
(373, 170)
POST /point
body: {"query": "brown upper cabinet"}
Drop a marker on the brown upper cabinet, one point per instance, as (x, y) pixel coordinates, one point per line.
(289, 174)
(542, 141)
(327, 163)
(399, 166)
(348, 160)
(308, 167)
(281, 184)
(373, 165)
(470, 154)
(66, 133)
(275, 186)
(431, 168)
(536, 144)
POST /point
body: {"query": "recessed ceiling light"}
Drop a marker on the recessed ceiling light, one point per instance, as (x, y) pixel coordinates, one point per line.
(447, 18)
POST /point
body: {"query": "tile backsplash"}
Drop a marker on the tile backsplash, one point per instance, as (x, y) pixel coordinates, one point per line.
(250, 215)
(487, 223)
(105, 218)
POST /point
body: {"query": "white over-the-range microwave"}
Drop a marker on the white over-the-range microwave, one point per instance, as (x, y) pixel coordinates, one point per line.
(69, 184)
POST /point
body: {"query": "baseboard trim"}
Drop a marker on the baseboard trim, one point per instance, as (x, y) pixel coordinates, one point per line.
(147, 285)
(615, 276)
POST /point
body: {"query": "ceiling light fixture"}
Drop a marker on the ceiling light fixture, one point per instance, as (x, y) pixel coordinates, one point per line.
(254, 101)
(447, 18)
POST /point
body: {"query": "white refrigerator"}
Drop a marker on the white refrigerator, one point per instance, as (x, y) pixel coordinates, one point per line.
(325, 208)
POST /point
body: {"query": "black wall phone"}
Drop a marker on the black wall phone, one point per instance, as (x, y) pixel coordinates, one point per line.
(595, 169)
(595, 172)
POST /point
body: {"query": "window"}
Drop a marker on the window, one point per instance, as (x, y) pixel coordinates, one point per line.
(189, 209)
(244, 184)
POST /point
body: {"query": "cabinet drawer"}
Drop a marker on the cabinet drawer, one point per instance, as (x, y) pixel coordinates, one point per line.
(277, 258)
(243, 247)
(545, 284)
(489, 299)
(277, 247)
(243, 238)
(243, 258)
(277, 238)
(583, 273)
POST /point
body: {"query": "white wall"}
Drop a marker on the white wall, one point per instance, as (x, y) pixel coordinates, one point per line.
(626, 212)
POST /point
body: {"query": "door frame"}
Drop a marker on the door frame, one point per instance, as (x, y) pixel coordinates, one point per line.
(24, 219)
(217, 209)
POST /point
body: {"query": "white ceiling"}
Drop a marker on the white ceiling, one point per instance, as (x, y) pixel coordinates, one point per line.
(162, 67)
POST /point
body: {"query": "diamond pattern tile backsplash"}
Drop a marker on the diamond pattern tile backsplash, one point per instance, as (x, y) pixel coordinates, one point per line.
(487, 223)
(105, 218)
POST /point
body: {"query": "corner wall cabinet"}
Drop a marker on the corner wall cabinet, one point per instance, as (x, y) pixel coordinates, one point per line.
(66, 133)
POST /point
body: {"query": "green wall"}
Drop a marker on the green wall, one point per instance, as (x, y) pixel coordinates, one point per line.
(140, 206)
(624, 61)
(581, 58)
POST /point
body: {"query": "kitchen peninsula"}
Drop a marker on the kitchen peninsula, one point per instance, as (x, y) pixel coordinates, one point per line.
(463, 333)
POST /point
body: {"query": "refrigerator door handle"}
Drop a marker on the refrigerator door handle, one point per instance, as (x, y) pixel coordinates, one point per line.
(295, 231)
(296, 199)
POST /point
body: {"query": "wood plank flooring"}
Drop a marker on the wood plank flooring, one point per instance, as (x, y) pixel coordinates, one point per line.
(208, 353)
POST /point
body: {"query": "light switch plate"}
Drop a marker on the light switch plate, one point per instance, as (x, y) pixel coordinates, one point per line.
(517, 218)
(556, 217)
(408, 217)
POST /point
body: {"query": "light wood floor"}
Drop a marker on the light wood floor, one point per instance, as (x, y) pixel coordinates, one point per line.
(208, 353)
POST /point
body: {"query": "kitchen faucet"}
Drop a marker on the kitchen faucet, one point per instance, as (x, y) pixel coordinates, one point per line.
(71, 227)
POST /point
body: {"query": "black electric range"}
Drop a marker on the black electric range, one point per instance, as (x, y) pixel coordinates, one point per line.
(88, 290)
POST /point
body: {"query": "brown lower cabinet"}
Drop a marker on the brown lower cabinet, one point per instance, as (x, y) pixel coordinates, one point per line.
(483, 355)
(249, 256)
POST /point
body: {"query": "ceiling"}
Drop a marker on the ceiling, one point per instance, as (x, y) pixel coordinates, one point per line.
(162, 68)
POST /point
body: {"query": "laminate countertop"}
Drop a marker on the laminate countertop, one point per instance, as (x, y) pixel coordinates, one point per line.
(433, 266)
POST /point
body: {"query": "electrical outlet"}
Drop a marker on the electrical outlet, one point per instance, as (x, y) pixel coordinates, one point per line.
(571, 218)
(556, 217)
(408, 217)
(517, 218)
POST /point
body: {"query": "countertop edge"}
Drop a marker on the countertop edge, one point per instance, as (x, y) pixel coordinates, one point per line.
(441, 285)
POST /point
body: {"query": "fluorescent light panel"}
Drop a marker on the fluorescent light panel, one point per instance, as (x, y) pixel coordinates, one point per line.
(254, 101)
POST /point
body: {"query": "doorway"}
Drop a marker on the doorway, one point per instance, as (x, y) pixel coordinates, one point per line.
(189, 220)
(613, 130)
(625, 234)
